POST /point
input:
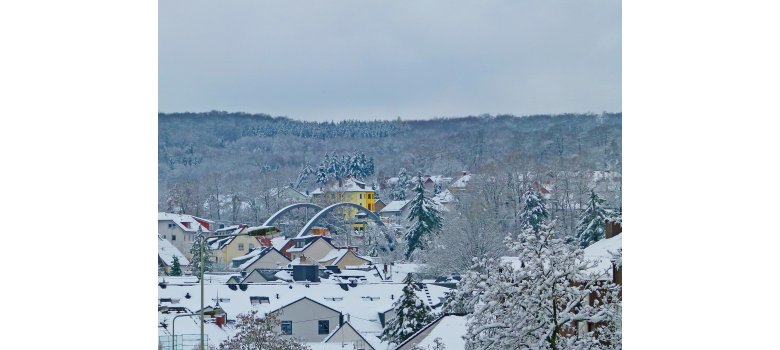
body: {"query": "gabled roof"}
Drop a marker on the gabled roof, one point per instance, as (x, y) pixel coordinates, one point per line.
(186, 222)
(315, 239)
(312, 300)
(166, 251)
(447, 327)
(350, 185)
(395, 206)
(346, 325)
(263, 252)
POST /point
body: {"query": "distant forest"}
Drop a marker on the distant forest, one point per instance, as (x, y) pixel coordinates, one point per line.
(244, 155)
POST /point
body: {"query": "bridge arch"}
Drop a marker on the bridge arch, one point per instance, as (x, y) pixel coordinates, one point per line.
(330, 208)
(271, 220)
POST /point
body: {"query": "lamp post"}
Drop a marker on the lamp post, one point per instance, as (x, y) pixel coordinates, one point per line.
(252, 232)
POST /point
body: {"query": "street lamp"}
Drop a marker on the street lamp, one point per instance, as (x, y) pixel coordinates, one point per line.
(252, 232)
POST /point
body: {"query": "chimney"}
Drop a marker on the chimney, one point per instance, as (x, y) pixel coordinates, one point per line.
(612, 229)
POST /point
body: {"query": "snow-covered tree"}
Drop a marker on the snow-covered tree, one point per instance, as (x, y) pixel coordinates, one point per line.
(175, 267)
(195, 251)
(399, 187)
(423, 215)
(256, 332)
(535, 300)
(411, 314)
(591, 226)
(467, 233)
(322, 174)
(437, 188)
(534, 213)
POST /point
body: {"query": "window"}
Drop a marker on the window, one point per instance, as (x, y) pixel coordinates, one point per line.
(298, 244)
(241, 246)
(287, 327)
(251, 246)
(173, 237)
(370, 196)
(171, 225)
(259, 300)
(323, 327)
(361, 196)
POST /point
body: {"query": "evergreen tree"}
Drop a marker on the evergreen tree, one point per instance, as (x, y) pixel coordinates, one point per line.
(322, 174)
(399, 188)
(423, 215)
(534, 213)
(437, 188)
(195, 251)
(591, 226)
(175, 267)
(411, 314)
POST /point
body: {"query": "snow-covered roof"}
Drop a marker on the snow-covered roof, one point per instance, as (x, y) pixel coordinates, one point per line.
(394, 206)
(261, 252)
(602, 252)
(449, 328)
(462, 181)
(445, 196)
(279, 242)
(350, 185)
(166, 251)
(363, 302)
(335, 254)
(186, 222)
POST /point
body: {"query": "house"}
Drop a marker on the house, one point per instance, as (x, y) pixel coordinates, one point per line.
(327, 300)
(307, 319)
(348, 337)
(181, 229)
(461, 183)
(396, 212)
(350, 190)
(379, 204)
(445, 200)
(342, 258)
(165, 253)
(260, 276)
(261, 258)
(604, 253)
(448, 328)
(313, 247)
(225, 249)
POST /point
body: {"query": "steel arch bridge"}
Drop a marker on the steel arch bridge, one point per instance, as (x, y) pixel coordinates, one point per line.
(330, 208)
(271, 220)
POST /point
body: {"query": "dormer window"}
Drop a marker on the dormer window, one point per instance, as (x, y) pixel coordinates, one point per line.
(257, 300)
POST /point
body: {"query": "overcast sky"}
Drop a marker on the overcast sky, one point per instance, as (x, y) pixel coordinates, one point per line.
(333, 60)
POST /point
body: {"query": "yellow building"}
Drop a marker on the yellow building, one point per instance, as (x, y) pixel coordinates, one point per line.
(225, 249)
(351, 191)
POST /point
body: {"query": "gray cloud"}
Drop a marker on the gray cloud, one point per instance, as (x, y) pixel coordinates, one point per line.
(323, 60)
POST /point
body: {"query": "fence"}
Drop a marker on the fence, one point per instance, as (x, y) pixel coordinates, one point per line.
(183, 341)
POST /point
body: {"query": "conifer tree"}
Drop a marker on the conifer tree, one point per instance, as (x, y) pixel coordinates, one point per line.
(423, 215)
(175, 267)
(411, 314)
(195, 251)
(399, 188)
(591, 226)
(322, 174)
(534, 213)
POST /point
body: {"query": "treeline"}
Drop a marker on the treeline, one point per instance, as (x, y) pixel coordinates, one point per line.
(201, 155)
